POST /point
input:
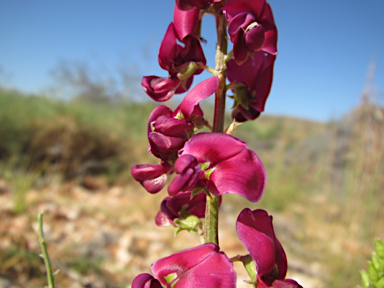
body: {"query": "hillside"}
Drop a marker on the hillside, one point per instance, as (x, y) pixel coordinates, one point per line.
(72, 160)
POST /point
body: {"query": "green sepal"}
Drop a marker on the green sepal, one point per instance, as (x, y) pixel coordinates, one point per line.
(195, 192)
(179, 116)
(191, 69)
(208, 173)
(241, 93)
(190, 223)
(250, 267)
(204, 165)
(170, 277)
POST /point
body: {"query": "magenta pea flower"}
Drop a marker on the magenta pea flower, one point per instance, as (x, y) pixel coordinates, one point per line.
(181, 62)
(220, 162)
(168, 130)
(151, 177)
(198, 267)
(193, 4)
(180, 207)
(146, 280)
(251, 28)
(255, 231)
(254, 79)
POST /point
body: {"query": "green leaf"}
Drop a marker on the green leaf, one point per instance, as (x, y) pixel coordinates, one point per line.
(380, 283)
(372, 272)
(365, 278)
(379, 245)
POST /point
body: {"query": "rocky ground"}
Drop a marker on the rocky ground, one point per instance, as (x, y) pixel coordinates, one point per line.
(100, 236)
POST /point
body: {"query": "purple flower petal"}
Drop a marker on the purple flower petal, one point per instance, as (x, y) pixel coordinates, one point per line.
(286, 283)
(163, 146)
(158, 88)
(168, 49)
(188, 170)
(198, 267)
(201, 91)
(145, 280)
(191, 4)
(152, 177)
(255, 231)
(160, 110)
(185, 22)
(242, 174)
(213, 147)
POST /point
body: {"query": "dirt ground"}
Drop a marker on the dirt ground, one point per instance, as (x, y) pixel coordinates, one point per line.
(100, 236)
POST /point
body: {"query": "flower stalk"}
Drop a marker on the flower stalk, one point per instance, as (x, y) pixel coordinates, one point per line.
(212, 207)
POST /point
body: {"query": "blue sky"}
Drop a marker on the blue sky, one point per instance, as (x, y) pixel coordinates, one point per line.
(325, 46)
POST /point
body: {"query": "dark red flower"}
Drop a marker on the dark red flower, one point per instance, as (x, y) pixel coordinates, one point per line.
(179, 207)
(254, 79)
(181, 61)
(226, 166)
(152, 177)
(168, 130)
(251, 28)
(192, 4)
(201, 266)
(255, 231)
(145, 280)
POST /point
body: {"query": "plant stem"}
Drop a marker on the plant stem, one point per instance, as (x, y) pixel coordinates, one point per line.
(212, 207)
(43, 246)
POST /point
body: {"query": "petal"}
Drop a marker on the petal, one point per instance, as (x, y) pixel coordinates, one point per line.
(172, 127)
(234, 7)
(255, 231)
(164, 146)
(168, 49)
(198, 267)
(257, 74)
(145, 280)
(191, 4)
(160, 110)
(185, 22)
(213, 147)
(155, 185)
(201, 91)
(142, 172)
(286, 283)
(158, 88)
(242, 174)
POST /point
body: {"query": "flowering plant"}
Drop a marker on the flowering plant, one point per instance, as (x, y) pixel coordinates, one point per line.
(208, 165)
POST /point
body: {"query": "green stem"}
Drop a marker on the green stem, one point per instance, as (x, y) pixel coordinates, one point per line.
(43, 246)
(211, 222)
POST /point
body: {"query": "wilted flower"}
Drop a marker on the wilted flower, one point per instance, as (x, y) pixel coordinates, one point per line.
(251, 28)
(226, 166)
(255, 231)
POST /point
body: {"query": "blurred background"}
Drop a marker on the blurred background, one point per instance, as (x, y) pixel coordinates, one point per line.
(73, 121)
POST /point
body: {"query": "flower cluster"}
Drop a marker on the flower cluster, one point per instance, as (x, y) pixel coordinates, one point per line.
(207, 165)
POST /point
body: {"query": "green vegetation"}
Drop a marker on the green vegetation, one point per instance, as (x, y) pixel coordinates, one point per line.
(326, 179)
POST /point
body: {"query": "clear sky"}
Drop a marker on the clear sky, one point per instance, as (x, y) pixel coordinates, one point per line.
(324, 46)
